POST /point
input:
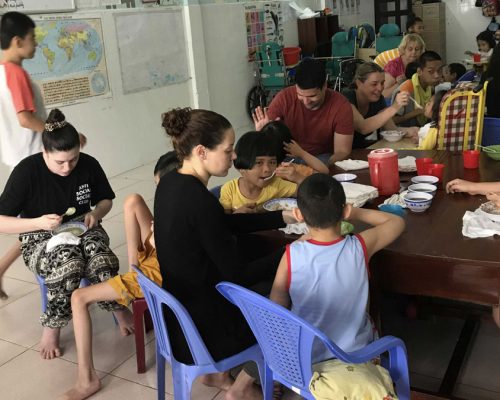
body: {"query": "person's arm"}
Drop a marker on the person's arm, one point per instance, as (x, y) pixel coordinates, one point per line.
(279, 291)
(20, 225)
(93, 217)
(29, 120)
(405, 117)
(390, 85)
(461, 185)
(342, 145)
(386, 228)
(293, 149)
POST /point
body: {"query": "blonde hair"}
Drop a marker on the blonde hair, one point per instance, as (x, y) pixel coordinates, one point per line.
(411, 37)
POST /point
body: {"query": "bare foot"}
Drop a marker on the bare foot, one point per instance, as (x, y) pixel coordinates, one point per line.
(125, 320)
(82, 390)
(3, 295)
(222, 380)
(49, 344)
(244, 388)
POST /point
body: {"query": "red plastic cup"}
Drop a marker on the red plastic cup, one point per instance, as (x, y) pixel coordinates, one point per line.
(471, 159)
(423, 165)
(476, 57)
(436, 170)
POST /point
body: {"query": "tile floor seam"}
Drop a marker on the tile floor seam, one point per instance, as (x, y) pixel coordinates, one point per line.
(21, 297)
(12, 358)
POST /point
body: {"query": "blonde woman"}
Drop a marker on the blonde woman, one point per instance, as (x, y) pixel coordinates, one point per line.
(410, 49)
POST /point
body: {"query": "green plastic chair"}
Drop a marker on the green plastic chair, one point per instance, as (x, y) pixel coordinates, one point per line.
(343, 48)
(389, 38)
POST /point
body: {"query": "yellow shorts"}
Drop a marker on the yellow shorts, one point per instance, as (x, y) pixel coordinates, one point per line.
(126, 286)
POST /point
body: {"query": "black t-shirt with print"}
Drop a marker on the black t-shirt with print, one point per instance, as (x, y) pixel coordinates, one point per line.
(32, 190)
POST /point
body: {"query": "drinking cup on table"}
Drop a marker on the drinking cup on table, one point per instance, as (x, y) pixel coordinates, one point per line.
(423, 165)
(436, 170)
(471, 159)
(476, 57)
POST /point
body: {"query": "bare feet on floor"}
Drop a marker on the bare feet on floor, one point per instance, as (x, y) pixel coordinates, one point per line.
(49, 344)
(3, 295)
(125, 320)
(244, 388)
(222, 380)
(82, 390)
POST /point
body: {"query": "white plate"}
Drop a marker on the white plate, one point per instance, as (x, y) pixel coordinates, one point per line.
(425, 179)
(76, 228)
(490, 211)
(284, 203)
(345, 177)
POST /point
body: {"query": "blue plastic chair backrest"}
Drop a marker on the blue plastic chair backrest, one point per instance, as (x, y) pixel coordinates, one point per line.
(155, 297)
(389, 38)
(468, 76)
(343, 44)
(216, 191)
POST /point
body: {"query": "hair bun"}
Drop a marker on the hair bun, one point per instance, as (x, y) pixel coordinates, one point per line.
(175, 121)
(56, 115)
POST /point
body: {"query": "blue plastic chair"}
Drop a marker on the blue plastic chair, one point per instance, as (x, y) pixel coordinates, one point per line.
(183, 375)
(287, 340)
(469, 76)
(43, 289)
(216, 191)
(491, 131)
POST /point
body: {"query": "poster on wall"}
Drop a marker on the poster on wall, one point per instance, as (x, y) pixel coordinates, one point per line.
(264, 23)
(69, 64)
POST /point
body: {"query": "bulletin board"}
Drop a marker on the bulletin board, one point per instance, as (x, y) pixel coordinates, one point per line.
(264, 23)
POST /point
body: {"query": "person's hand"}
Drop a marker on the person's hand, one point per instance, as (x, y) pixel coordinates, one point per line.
(3, 295)
(288, 172)
(260, 118)
(412, 133)
(90, 220)
(83, 140)
(401, 100)
(48, 222)
(400, 79)
(495, 198)
(468, 52)
(246, 209)
(293, 149)
(288, 217)
(458, 185)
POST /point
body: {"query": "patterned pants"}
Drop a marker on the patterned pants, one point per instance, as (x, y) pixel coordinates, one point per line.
(65, 266)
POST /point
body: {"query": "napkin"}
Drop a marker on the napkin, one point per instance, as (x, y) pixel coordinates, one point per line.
(62, 238)
(407, 164)
(298, 229)
(352, 165)
(476, 225)
(396, 199)
(358, 194)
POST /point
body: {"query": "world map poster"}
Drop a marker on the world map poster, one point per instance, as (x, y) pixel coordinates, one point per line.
(69, 64)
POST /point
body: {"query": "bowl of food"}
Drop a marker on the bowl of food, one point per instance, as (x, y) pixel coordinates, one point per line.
(493, 152)
(76, 228)
(284, 203)
(345, 177)
(490, 210)
(417, 201)
(425, 179)
(392, 136)
(423, 188)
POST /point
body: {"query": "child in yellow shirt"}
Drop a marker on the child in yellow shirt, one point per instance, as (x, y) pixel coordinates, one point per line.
(428, 134)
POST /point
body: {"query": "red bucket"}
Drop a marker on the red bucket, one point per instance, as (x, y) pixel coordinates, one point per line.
(291, 55)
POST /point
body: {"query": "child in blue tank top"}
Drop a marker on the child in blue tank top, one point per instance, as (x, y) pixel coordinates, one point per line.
(324, 277)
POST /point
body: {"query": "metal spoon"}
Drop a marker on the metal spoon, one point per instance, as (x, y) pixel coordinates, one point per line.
(69, 212)
(415, 102)
(274, 172)
(486, 149)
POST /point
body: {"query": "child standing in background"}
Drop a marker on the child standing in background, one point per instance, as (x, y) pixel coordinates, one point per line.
(485, 44)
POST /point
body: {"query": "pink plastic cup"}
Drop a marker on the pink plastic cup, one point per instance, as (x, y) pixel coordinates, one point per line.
(436, 170)
(423, 165)
(471, 159)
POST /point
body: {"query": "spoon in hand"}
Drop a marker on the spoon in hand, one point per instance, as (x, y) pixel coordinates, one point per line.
(274, 172)
(415, 102)
(69, 212)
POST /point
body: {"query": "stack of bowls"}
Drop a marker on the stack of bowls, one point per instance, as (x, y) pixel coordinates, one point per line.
(423, 188)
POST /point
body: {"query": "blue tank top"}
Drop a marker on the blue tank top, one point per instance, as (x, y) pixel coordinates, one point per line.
(328, 287)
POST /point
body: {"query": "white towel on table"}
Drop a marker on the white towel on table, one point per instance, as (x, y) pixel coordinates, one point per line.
(476, 225)
(358, 194)
(62, 238)
(407, 164)
(396, 199)
(298, 229)
(352, 165)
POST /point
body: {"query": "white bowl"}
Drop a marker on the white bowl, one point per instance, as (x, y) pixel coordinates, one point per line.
(284, 203)
(490, 211)
(425, 179)
(75, 227)
(423, 188)
(392, 136)
(417, 201)
(345, 177)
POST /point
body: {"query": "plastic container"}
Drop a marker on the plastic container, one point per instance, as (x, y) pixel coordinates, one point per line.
(436, 170)
(291, 55)
(471, 159)
(423, 165)
(384, 172)
(476, 57)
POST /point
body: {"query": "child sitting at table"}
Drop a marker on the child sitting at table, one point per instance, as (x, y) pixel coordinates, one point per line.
(485, 44)
(453, 72)
(335, 266)
(428, 134)
(121, 288)
(490, 189)
(259, 157)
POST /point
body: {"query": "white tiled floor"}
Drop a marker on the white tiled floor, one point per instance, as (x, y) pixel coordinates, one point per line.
(24, 375)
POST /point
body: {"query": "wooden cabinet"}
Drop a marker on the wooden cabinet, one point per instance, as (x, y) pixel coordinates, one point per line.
(434, 18)
(315, 35)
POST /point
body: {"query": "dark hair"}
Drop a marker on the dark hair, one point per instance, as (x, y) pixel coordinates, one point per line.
(252, 145)
(488, 37)
(166, 163)
(321, 200)
(457, 69)
(412, 20)
(428, 56)
(189, 128)
(14, 24)
(410, 69)
(310, 74)
(362, 72)
(493, 70)
(58, 134)
(436, 107)
(278, 132)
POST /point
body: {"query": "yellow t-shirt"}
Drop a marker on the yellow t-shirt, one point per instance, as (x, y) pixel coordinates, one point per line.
(231, 197)
(383, 58)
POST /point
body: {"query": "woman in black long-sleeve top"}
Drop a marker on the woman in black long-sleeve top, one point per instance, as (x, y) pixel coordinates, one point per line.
(195, 239)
